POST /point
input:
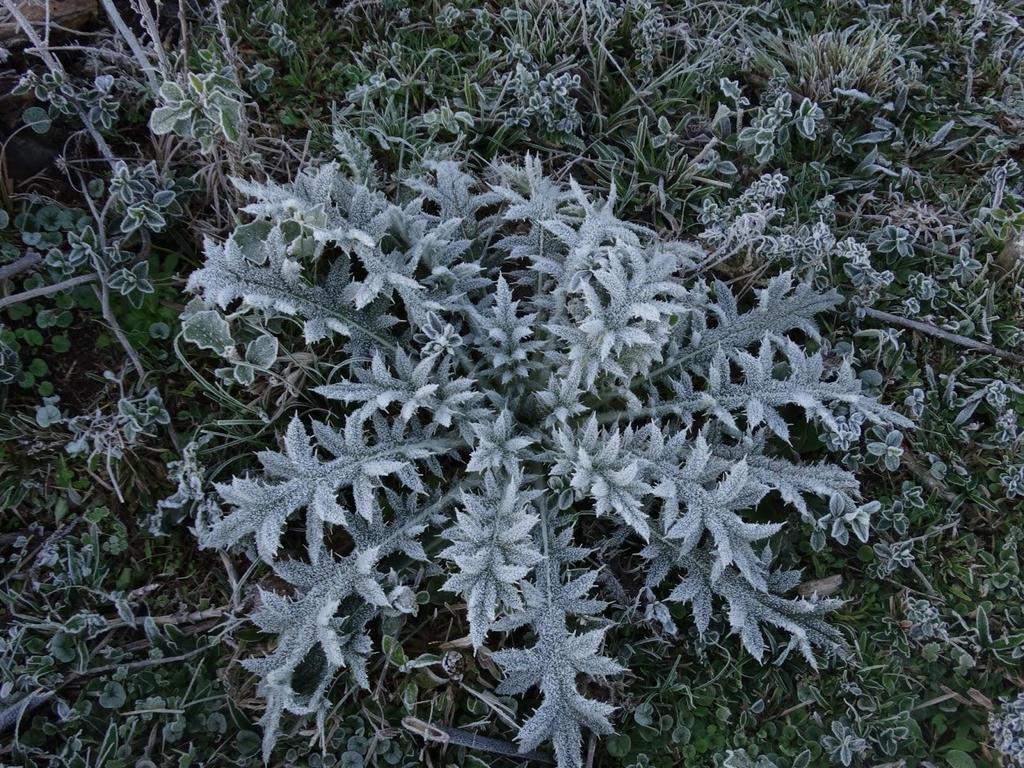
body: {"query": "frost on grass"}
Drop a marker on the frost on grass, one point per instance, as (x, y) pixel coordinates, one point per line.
(506, 362)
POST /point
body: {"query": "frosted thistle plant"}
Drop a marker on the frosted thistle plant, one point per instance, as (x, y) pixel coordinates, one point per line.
(511, 373)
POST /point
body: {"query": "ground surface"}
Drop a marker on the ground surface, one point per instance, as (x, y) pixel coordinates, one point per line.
(119, 638)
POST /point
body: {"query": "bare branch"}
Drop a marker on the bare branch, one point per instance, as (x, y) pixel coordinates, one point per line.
(46, 290)
(939, 333)
(23, 264)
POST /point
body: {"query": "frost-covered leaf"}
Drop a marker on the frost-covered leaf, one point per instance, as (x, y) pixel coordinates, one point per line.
(493, 549)
(559, 656)
(208, 329)
(749, 608)
(261, 351)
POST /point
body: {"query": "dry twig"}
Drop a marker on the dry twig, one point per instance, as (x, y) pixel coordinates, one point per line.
(939, 333)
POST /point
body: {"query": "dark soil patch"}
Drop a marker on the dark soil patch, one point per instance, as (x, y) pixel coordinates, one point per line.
(77, 375)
